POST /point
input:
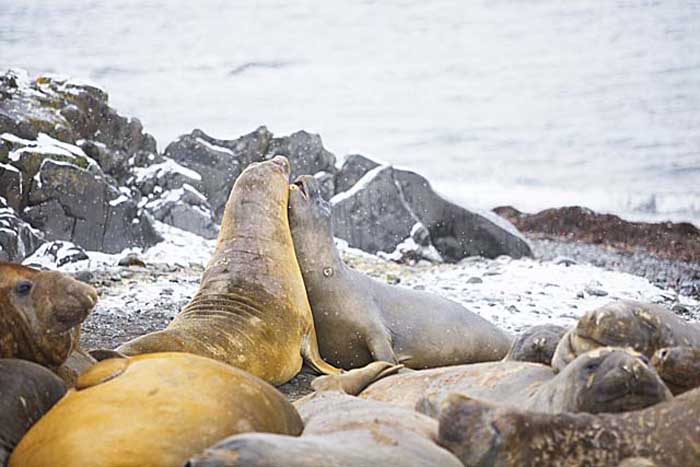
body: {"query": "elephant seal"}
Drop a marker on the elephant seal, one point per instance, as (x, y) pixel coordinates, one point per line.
(482, 435)
(27, 392)
(153, 410)
(40, 317)
(339, 430)
(603, 380)
(251, 309)
(679, 367)
(644, 327)
(360, 320)
(537, 344)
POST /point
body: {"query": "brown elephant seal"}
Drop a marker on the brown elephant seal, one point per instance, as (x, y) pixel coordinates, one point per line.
(251, 309)
(40, 317)
(27, 392)
(153, 410)
(679, 367)
(359, 319)
(603, 380)
(667, 434)
(636, 462)
(537, 344)
(339, 430)
(643, 327)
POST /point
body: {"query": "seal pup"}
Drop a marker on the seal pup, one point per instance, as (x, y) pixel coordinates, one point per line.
(537, 344)
(644, 327)
(40, 317)
(339, 430)
(666, 434)
(251, 309)
(679, 367)
(153, 410)
(27, 392)
(603, 380)
(360, 320)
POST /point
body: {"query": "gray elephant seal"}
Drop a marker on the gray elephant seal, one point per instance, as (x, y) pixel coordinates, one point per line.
(339, 430)
(359, 319)
(27, 392)
(478, 434)
(251, 309)
(679, 367)
(537, 344)
(603, 380)
(644, 327)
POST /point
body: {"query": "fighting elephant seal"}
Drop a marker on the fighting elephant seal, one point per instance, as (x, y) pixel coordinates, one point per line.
(679, 367)
(339, 430)
(537, 344)
(251, 309)
(359, 319)
(27, 392)
(603, 380)
(40, 317)
(481, 435)
(153, 410)
(644, 327)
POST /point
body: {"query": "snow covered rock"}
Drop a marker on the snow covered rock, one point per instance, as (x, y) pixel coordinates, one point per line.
(354, 168)
(17, 238)
(53, 255)
(305, 152)
(184, 208)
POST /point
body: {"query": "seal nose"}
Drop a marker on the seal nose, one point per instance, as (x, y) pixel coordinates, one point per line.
(282, 162)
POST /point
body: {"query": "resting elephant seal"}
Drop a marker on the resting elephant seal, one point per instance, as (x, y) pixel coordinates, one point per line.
(679, 367)
(537, 344)
(667, 434)
(644, 327)
(251, 309)
(153, 410)
(40, 317)
(359, 319)
(603, 380)
(27, 392)
(341, 431)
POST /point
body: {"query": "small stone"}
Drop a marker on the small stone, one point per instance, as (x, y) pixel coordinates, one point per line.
(596, 292)
(564, 261)
(475, 280)
(392, 279)
(132, 259)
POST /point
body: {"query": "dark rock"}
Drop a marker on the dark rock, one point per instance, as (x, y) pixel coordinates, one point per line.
(132, 259)
(475, 280)
(305, 152)
(56, 254)
(186, 209)
(11, 185)
(354, 168)
(164, 176)
(17, 238)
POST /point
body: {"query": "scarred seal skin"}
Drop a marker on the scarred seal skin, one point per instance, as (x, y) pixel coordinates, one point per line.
(40, 317)
(27, 392)
(602, 380)
(679, 367)
(251, 309)
(153, 410)
(360, 320)
(666, 434)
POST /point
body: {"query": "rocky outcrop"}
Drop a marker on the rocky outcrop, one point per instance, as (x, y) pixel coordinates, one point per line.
(17, 238)
(184, 208)
(355, 166)
(55, 254)
(305, 152)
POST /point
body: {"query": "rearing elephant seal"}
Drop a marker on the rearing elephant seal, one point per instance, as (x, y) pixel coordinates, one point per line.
(603, 380)
(153, 410)
(251, 309)
(644, 327)
(360, 320)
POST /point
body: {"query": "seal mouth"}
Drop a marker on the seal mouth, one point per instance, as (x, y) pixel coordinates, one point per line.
(302, 188)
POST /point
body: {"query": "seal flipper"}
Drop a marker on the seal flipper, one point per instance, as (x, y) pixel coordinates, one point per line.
(312, 356)
(355, 381)
(379, 345)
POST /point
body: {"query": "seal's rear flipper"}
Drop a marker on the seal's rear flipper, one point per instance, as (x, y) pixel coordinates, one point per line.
(104, 354)
(355, 381)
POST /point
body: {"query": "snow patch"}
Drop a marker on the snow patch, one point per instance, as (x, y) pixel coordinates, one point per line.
(360, 185)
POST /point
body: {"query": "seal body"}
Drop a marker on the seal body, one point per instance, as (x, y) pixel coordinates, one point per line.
(537, 344)
(603, 380)
(643, 327)
(153, 410)
(27, 392)
(665, 434)
(360, 320)
(251, 309)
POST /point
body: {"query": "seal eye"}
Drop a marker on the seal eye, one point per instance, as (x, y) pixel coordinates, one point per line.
(592, 365)
(23, 288)
(327, 272)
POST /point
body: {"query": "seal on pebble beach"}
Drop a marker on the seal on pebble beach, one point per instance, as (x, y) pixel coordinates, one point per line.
(536, 344)
(251, 309)
(27, 392)
(153, 410)
(644, 327)
(360, 320)
(603, 380)
(666, 434)
(40, 317)
(679, 367)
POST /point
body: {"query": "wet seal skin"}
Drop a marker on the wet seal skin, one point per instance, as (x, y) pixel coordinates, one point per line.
(153, 410)
(679, 367)
(27, 392)
(537, 344)
(340, 430)
(251, 309)
(360, 320)
(643, 327)
(483, 435)
(40, 317)
(602, 380)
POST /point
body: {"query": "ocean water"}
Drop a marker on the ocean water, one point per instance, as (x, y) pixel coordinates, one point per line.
(534, 103)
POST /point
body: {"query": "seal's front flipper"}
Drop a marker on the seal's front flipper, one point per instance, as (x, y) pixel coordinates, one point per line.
(310, 352)
(355, 381)
(379, 345)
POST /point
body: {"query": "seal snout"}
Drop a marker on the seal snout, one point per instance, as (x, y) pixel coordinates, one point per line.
(282, 162)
